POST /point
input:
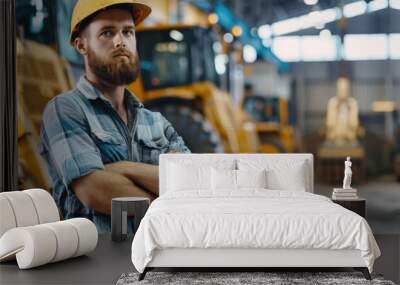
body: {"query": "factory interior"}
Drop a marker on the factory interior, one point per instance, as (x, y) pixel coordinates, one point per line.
(276, 65)
(236, 76)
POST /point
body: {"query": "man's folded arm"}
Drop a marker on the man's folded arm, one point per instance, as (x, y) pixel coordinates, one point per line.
(96, 189)
(142, 174)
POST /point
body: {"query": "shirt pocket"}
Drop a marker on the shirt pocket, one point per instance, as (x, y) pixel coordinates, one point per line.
(151, 149)
(112, 146)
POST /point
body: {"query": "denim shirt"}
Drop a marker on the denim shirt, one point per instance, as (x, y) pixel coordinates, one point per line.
(81, 132)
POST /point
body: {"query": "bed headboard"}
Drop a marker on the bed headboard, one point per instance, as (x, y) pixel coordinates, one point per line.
(211, 159)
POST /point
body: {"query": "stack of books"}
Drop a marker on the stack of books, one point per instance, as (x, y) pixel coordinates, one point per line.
(344, 194)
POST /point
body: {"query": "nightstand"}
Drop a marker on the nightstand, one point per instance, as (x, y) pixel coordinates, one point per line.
(356, 205)
(121, 209)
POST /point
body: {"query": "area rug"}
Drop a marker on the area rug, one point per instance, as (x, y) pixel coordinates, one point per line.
(243, 278)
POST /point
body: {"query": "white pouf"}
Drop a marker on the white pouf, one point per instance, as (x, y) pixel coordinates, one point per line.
(26, 208)
(40, 244)
(31, 231)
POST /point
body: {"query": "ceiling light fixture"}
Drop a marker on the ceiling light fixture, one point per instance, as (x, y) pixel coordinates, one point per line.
(264, 31)
(213, 18)
(228, 37)
(310, 2)
(249, 54)
(237, 31)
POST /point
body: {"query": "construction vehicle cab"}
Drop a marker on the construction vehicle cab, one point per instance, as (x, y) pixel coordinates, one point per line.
(178, 79)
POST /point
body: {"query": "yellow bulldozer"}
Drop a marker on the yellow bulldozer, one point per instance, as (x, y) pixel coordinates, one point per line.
(179, 79)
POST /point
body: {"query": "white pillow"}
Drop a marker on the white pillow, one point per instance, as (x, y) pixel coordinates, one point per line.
(227, 179)
(184, 177)
(223, 179)
(280, 174)
(293, 180)
(251, 178)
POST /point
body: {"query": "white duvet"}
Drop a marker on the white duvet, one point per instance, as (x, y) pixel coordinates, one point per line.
(250, 219)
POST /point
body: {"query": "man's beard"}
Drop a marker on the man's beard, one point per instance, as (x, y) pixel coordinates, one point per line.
(113, 71)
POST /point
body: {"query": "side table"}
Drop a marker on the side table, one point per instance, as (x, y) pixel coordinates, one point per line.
(121, 209)
(356, 205)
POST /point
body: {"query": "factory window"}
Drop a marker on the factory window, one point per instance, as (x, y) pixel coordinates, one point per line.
(329, 48)
(287, 48)
(395, 4)
(306, 48)
(285, 26)
(377, 5)
(354, 9)
(365, 47)
(394, 46)
(316, 48)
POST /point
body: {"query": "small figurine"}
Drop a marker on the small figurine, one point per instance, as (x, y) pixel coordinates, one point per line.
(347, 174)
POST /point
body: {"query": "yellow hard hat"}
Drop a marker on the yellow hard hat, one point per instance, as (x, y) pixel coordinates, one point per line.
(85, 8)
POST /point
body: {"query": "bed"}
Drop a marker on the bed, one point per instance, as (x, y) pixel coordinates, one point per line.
(247, 210)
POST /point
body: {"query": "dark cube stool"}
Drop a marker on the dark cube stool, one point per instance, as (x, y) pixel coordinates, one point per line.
(121, 209)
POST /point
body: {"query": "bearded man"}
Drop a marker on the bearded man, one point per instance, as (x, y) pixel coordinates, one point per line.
(98, 140)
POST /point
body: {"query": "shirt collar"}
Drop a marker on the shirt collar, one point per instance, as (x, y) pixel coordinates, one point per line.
(92, 93)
